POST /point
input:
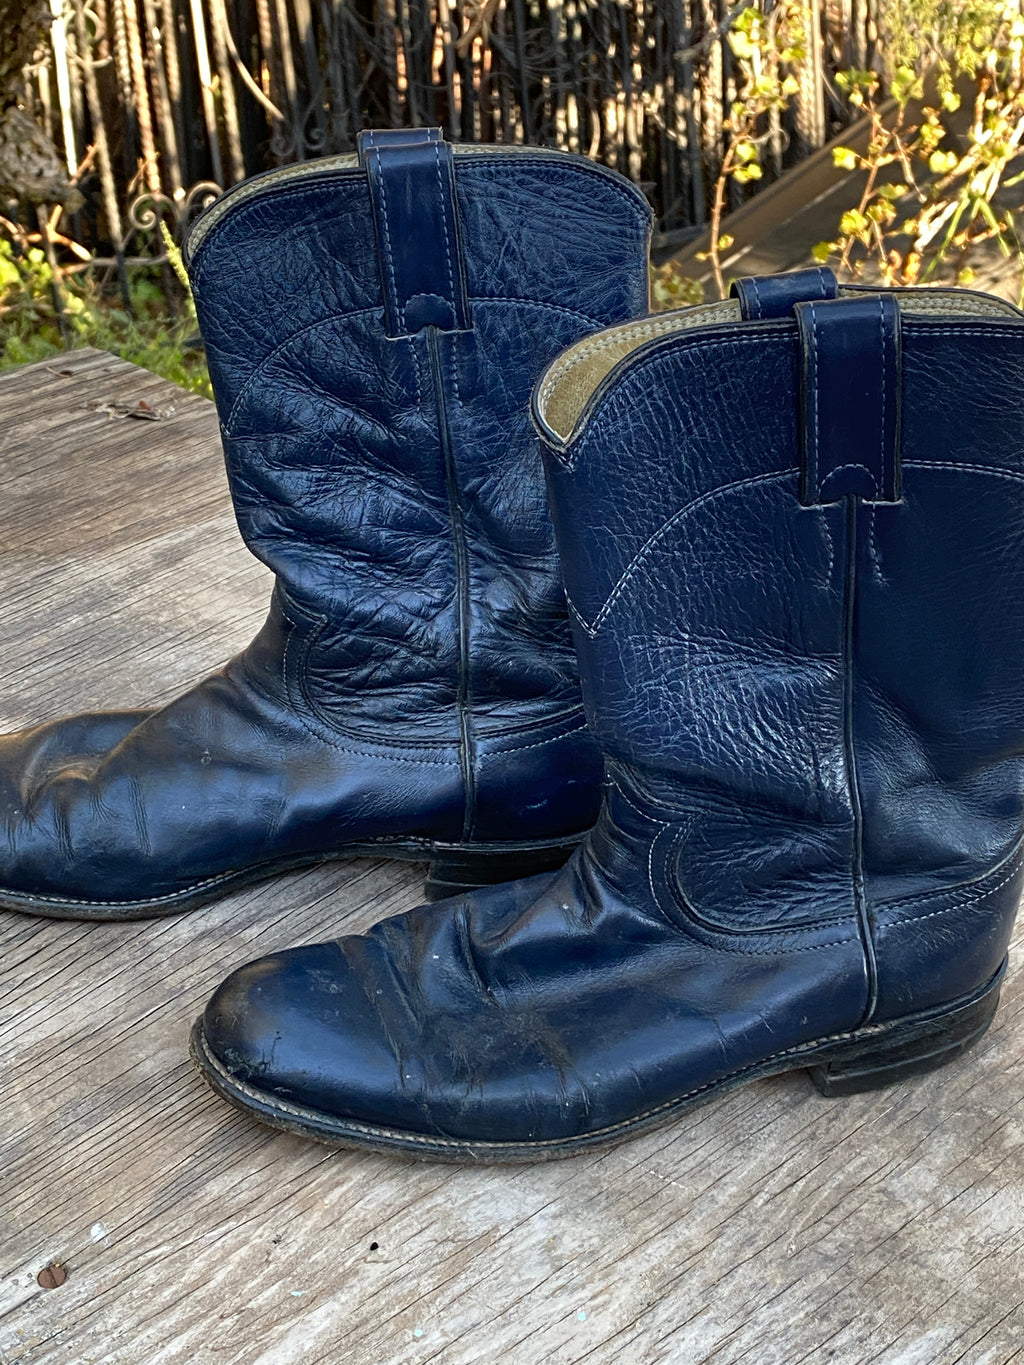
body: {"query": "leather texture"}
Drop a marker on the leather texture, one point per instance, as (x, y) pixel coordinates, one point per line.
(850, 399)
(415, 687)
(412, 193)
(812, 715)
(774, 296)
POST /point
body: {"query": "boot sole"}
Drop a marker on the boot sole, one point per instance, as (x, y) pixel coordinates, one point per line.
(454, 869)
(868, 1058)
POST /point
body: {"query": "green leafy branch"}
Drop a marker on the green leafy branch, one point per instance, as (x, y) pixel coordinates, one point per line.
(767, 48)
(922, 223)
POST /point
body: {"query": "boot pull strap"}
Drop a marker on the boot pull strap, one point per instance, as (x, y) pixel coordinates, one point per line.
(850, 395)
(415, 219)
(774, 296)
(393, 137)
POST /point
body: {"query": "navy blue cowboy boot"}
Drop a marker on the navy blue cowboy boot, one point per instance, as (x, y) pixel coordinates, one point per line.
(374, 328)
(790, 529)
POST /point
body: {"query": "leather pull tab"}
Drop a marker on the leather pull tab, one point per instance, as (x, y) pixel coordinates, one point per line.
(393, 137)
(412, 193)
(850, 399)
(774, 296)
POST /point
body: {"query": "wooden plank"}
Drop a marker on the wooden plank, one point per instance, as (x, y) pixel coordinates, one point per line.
(773, 1226)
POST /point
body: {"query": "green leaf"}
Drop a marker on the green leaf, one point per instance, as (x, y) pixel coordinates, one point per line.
(905, 85)
(741, 46)
(941, 163)
(845, 158)
(821, 251)
(853, 223)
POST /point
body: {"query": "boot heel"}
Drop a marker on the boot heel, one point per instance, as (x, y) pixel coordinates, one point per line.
(456, 870)
(908, 1049)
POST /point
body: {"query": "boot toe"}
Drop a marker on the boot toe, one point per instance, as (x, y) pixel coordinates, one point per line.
(298, 1028)
(394, 1035)
(35, 765)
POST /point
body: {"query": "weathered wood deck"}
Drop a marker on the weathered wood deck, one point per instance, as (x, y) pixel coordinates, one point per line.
(772, 1228)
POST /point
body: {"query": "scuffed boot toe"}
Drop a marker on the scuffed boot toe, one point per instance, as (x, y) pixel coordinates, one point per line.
(295, 1039)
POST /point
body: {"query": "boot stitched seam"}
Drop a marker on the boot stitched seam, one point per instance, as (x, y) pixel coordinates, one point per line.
(147, 900)
(650, 865)
(901, 918)
(639, 359)
(261, 365)
(873, 551)
(592, 629)
(710, 926)
(490, 164)
(861, 468)
(963, 888)
(663, 825)
(651, 329)
(568, 712)
(1012, 330)
(668, 326)
(325, 729)
(445, 201)
(540, 744)
(330, 728)
(811, 354)
(326, 733)
(586, 349)
(693, 334)
(375, 182)
(453, 366)
(718, 805)
(426, 1140)
(539, 303)
(992, 470)
(268, 359)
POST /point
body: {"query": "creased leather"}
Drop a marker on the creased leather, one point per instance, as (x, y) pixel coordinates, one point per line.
(851, 398)
(415, 680)
(813, 723)
(773, 296)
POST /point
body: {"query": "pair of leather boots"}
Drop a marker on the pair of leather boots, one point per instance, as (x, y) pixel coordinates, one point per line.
(790, 531)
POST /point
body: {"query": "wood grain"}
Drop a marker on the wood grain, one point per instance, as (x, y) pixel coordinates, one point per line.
(771, 1227)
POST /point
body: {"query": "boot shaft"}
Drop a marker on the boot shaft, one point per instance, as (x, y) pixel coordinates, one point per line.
(802, 646)
(374, 331)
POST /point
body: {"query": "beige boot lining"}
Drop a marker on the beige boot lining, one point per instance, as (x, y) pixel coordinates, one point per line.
(574, 377)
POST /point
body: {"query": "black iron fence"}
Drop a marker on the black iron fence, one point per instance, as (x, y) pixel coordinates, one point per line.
(157, 104)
